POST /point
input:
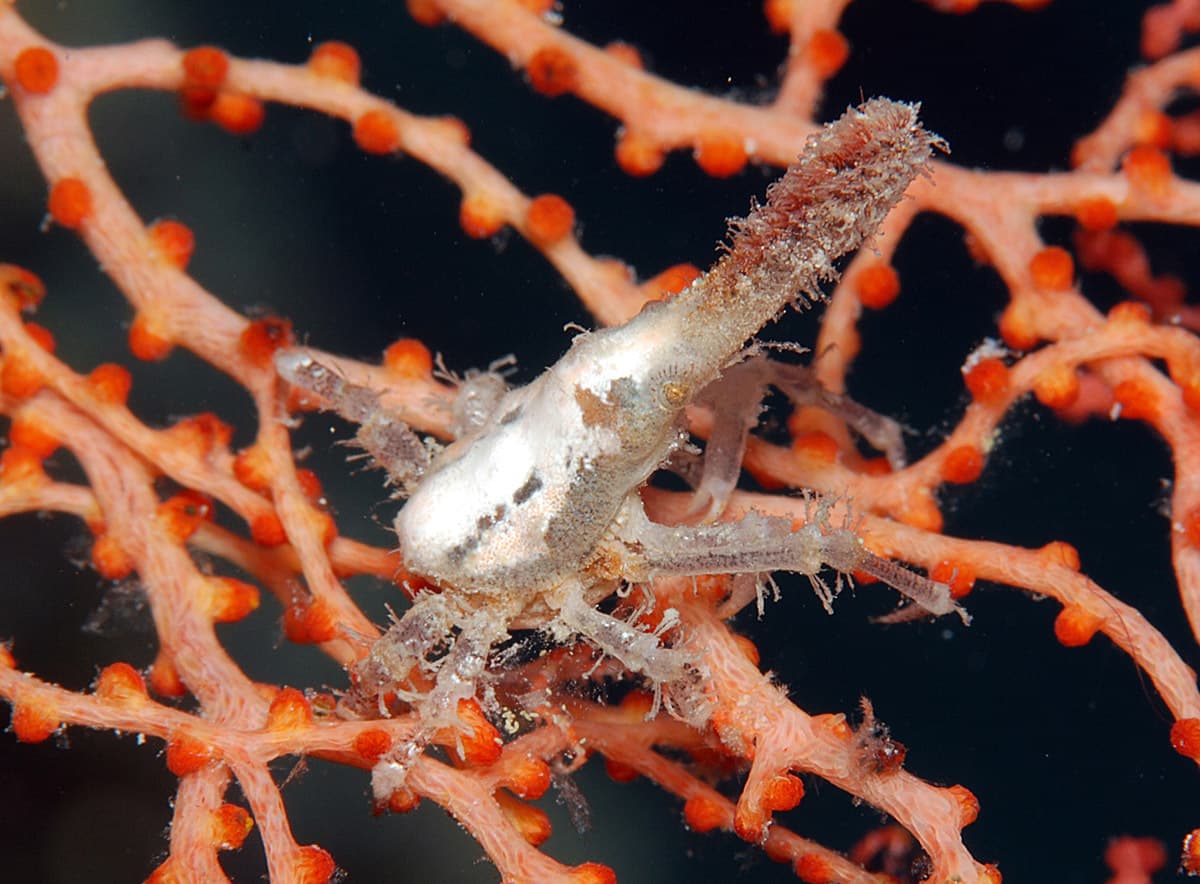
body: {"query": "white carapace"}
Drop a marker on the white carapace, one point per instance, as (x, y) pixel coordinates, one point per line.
(532, 516)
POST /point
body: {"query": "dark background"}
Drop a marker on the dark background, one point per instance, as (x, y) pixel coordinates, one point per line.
(1064, 748)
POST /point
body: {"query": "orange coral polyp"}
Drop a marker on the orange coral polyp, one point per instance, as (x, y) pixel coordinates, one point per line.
(34, 721)
(531, 823)
(826, 52)
(812, 868)
(1052, 269)
(147, 340)
(230, 826)
(1057, 387)
(637, 154)
(231, 599)
(174, 242)
(408, 358)
(237, 114)
(1148, 169)
(36, 69)
(721, 155)
(549, 219)
(963, 464)
(877, 285)
(703, 814)
(70, 202)
(26, 432)
(373, 743)
(110, 559)
(1185, 738)
(553, 71)
(121, 683)
(205, 66)
(478, 741)
(480, 216)
(337, 61)
(24, 287)
(111, 383)
(187, 754)
(1096, 213)
(308, 622)
(20, 465)
(267, 530)
(261, 338)
(1136, 400)
(181, 514)
(959, 576)
(987, 380)
(783, 792)
(1075, 626)
(289, 710)
(376, 132)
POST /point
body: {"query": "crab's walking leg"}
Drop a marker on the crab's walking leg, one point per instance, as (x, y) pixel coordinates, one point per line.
(389, 441)
(759, 543)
